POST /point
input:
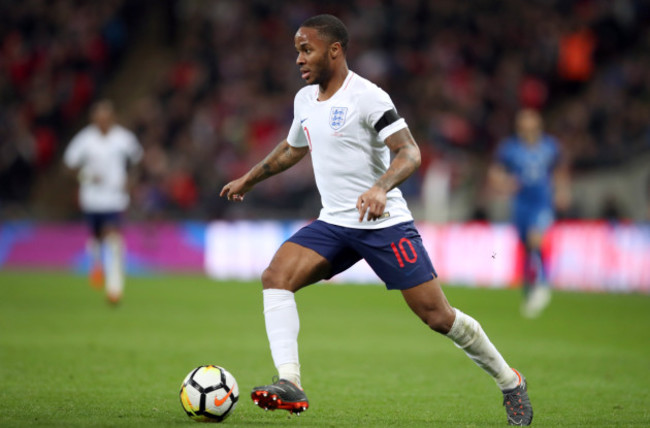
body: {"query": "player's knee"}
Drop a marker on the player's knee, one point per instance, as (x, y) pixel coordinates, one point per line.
(268, 278)
(439, 320)
(534, 239)
(272, 278)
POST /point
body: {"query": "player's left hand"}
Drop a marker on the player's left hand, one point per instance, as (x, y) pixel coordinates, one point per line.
(372, 203)
(236, 189)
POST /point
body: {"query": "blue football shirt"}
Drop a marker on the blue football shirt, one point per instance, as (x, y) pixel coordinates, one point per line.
(532, 165)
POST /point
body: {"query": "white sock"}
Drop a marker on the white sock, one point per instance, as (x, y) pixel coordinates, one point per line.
(290, 371)
(282, 326)
(114, 266)
(94, 249)
(468, 335)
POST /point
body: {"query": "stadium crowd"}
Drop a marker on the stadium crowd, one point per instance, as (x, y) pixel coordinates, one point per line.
(457, 71)
(54, 58)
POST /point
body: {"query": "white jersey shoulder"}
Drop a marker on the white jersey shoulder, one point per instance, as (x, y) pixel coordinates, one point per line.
(102, 161)
(346, 140)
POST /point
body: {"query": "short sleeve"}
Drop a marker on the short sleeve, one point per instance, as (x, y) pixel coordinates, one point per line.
(556, 151)
(135, 151)
(502, 155)
(375, 104)
(296, 137)
(73, 155)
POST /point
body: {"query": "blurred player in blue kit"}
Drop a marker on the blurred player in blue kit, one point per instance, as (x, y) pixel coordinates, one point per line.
(529, 167)
(350, 127)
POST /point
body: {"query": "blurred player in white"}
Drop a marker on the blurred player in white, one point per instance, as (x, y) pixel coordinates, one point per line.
(350, 127)
(102, 154)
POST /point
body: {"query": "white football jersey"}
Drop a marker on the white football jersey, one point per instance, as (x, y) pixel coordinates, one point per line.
(102, 163)
(348, 154)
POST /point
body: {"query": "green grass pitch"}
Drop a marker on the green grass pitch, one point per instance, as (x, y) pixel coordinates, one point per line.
(69, 359)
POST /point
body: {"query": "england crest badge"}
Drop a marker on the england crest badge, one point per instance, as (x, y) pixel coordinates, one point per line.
(337, 117)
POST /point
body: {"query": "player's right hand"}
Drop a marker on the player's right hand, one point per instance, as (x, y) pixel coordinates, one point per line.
(372, 202)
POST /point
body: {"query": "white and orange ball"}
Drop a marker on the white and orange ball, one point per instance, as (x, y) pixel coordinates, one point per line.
(209, 394)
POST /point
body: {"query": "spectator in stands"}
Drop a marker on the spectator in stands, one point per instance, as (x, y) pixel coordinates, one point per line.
(469, 68)
(54, 57)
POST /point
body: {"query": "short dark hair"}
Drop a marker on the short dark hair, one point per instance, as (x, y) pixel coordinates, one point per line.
(329, 27)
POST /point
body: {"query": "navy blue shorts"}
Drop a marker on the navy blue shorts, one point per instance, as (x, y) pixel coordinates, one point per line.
(532, 217)
(395, 253)
(98, 221)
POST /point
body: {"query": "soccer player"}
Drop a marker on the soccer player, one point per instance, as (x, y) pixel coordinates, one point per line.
(102, 153)
(350, 127)
(528, 165)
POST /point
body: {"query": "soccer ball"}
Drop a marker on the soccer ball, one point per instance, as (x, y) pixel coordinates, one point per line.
(209, 394)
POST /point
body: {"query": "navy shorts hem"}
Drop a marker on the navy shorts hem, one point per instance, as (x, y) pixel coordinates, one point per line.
(395, 253)
(415, 283)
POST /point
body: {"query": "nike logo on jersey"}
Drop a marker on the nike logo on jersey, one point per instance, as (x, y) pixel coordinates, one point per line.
(303, 120)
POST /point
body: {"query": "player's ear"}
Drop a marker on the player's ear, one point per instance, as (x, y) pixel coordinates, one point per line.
(335, 50)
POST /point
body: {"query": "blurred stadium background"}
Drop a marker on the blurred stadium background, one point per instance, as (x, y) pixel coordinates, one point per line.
(208, 86)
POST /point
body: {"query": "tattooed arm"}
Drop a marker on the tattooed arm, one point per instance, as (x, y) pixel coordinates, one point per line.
(405, 162)
(281, 158)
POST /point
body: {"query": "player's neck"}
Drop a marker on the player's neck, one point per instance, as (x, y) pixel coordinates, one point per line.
(327, 89)
(103, 128)
(530, 139)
